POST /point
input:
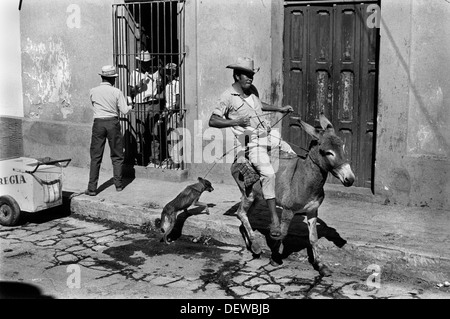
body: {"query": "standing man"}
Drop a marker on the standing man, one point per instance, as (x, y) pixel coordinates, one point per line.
(107, 101)
(241, 109)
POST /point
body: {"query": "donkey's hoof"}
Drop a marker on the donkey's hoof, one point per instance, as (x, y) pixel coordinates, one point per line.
(275, 232)
(255, 248)
(275, 263)
(324, 271)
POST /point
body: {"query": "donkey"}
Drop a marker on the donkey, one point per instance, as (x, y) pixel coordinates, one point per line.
(299, 187)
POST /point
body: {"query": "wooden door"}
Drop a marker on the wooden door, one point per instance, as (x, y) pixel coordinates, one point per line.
(330, 66)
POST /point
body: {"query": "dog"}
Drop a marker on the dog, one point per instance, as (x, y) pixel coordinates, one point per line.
(188, 197)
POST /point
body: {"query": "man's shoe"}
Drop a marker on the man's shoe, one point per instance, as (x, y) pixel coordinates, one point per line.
(119, 189)
(90, 193)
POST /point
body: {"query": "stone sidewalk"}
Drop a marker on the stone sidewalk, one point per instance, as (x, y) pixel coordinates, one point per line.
(416, 237)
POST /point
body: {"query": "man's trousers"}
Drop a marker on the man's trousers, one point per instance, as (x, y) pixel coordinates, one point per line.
(102, 130)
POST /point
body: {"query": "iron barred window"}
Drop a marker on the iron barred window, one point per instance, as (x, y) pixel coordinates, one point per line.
(149, 52)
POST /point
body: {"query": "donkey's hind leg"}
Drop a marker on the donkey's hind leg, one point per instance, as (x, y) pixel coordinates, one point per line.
(278, 248)
(286, 218)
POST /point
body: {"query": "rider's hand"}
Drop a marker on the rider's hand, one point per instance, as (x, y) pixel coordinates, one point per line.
(243, 121)
(287, 109)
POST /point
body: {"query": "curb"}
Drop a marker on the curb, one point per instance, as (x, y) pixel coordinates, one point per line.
(137, 216)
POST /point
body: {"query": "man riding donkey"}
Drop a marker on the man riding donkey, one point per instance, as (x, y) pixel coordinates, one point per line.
(241, 109)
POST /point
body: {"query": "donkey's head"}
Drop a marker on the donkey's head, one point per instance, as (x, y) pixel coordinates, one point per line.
(328, 152)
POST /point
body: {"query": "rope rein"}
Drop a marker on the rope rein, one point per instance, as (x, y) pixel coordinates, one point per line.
(224, 154)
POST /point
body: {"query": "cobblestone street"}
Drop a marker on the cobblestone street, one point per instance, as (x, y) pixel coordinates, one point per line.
(70, 257)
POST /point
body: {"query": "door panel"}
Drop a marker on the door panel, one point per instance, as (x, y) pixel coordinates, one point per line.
(330, 66)
(320, 52)
(295, 73)
(346, 65)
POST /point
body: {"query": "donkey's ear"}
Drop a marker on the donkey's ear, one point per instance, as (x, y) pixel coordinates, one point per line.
(311, 130)
(324, 122)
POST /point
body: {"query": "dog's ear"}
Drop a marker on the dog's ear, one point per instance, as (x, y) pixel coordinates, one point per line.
(200, 179)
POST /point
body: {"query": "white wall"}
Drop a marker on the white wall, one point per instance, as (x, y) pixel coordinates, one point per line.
(11, 102)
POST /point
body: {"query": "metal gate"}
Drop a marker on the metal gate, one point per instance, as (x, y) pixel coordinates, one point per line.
(331, 66)
(149, 51)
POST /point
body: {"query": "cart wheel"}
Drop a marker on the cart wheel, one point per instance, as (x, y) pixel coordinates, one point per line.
(9, 211)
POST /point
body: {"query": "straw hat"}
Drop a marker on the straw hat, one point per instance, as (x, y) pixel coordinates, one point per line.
(171, 66)
(109, 71)
(144, 56)
(245, 64)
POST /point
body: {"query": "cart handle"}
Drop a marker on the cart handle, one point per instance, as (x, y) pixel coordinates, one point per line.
(49, 163)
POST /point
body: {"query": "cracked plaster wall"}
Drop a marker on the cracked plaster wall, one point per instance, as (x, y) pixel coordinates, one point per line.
(64, 44)
(413, 140)
(47, 79)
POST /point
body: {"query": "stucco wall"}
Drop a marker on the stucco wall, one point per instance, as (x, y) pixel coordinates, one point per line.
(64, 44)
(225, 30)
(413, 139)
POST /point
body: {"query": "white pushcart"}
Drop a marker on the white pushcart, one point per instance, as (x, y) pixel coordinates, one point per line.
(29, 185)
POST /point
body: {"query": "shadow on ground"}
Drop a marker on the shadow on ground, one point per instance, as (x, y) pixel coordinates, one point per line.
(110, 183)
(20, 290)
(181, 219)
(48, 214)
(297, 238)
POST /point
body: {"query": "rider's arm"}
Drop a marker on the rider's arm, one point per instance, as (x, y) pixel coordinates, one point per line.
(272, 108)
(220, 122)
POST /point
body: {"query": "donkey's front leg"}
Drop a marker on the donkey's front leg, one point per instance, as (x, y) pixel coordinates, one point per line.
(311, 220)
